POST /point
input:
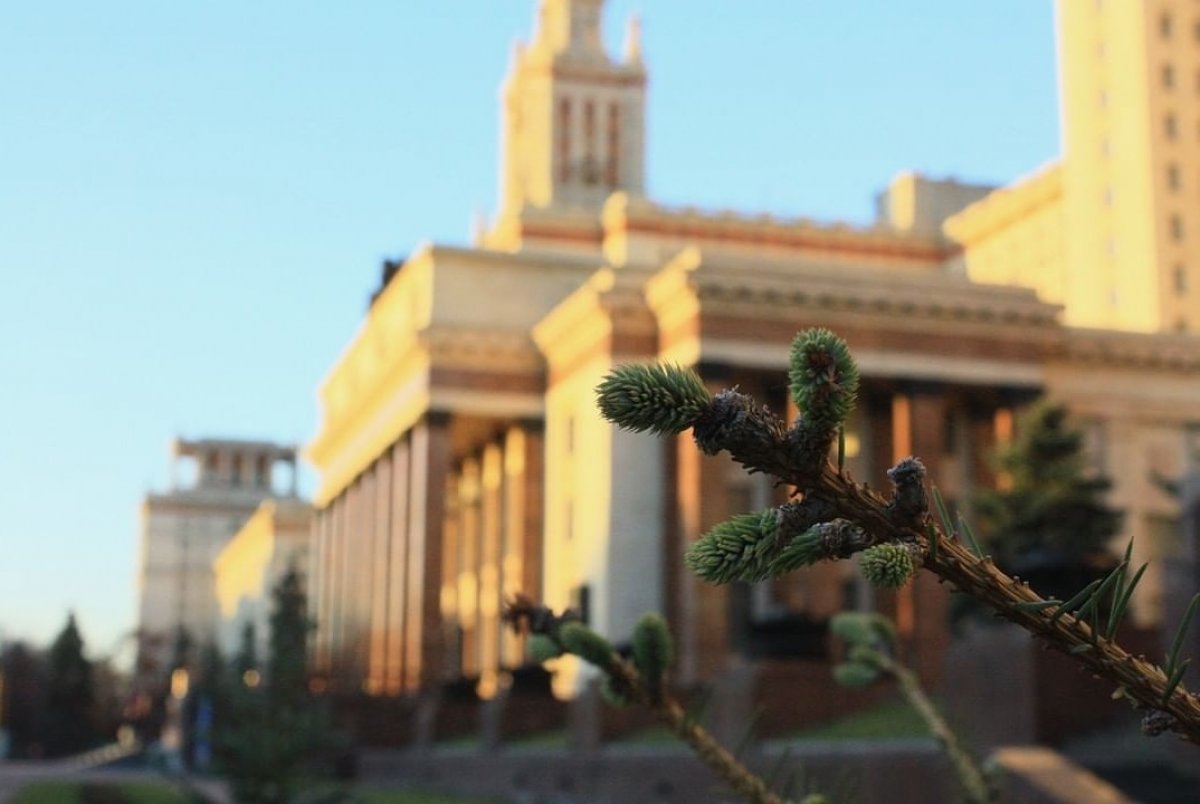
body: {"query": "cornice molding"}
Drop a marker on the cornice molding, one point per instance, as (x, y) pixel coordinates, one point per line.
(477, 347)
(1172, 352)
(797, 234)
(774, 288)
(1005, 206)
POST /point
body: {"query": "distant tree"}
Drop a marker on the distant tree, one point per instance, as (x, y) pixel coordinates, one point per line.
(24, 675)
(1050, 501)
(70, 694)
(246, 659)
(205, 707)
(110, 687)
(274, 730)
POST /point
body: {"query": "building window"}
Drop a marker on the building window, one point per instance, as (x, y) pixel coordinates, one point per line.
(1173, 180)
(564, 140)
(1176, 227)
(612, 167)
(1168, 76)
(1180, 276)
(1171, 127)
(1164, 26)
(590, 168)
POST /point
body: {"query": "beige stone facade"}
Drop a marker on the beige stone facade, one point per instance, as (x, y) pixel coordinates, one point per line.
(186, 528)
(1111, 230)
(275, 539)
(462, 460)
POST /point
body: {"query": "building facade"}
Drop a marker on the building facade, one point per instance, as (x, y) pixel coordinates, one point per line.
(462, 460)
(216, 486)
(1112, 225)
(272, 542)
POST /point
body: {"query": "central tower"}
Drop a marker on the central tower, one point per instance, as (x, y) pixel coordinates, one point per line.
(573, 118)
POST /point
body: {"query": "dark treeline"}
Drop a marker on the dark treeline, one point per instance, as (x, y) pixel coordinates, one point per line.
(56, 702)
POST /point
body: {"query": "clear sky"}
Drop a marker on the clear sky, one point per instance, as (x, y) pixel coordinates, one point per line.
(195, 199)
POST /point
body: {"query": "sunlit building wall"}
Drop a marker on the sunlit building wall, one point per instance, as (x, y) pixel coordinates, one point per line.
(462, 461)
(272, 541)
(1114, 227)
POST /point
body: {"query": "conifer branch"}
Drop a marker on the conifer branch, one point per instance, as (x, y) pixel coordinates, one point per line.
(871, 642)
(824, 382)
(639, 680)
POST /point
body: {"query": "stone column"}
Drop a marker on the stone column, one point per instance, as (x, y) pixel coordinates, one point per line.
(429, 466)
(317, 611)
(918, 428)
(335, 592)
(381, 503)
(397, 567)
(489, 569)
(521, 564)
(701, 610)
(467, 597)
(358, 584)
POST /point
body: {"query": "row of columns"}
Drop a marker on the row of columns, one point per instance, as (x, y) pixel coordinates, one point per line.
(413, 561)
(375, 563)
(493, 551)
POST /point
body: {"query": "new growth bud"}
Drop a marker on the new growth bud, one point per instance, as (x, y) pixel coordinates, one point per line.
(739, 549)
(660, 399)
(823, 378)
(653, 652)
(888, 566)
(585, 643)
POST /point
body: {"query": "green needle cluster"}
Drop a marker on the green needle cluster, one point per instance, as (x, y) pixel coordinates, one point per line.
(585, 643)
(888, 566)
(661, 399)
(542, 648)
(653, 652)
(739, 549)
(823, 378)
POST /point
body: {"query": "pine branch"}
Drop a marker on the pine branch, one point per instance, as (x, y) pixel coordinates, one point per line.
(639, 681)
(823, 377)
(871, 642)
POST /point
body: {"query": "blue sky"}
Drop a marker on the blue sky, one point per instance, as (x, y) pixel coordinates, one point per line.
(195, 198)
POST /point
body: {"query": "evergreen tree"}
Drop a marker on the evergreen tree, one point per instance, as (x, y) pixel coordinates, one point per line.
(23, 674)
(1050, 504)
(246, 659)
(273, 732)
(70, 696)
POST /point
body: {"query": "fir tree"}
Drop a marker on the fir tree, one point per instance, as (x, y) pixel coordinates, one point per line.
(273, 731)
(1051, 504)
(70, 696)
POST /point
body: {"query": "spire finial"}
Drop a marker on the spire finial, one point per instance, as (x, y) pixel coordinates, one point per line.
(633, 39)
(571, 25)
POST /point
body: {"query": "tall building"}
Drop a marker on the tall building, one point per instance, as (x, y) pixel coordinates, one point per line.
(462, 460)
(216, 485)
(1112, 229)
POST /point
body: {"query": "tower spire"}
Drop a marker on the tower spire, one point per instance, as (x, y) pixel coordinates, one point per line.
(571, 26)
(633, 40)
(573, 118)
